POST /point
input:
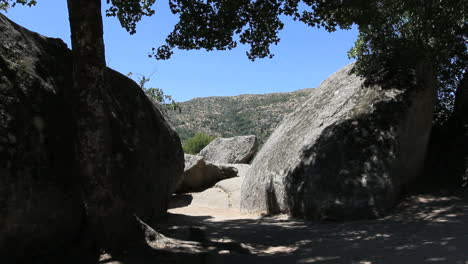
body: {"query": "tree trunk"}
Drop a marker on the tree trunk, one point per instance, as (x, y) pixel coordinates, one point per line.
(110, 221)
(461, 99)
(457, 136)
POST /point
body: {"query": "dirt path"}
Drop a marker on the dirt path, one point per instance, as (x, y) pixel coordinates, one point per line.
(423, 229)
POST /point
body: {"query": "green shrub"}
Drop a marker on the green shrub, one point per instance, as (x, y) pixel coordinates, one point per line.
(196, 143)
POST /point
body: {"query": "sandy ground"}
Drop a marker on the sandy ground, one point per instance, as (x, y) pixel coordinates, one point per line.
(422, 229)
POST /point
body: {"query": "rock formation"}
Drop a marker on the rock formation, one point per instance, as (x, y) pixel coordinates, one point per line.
(200, 174)
(225, 194)
(41, 208)
(232, 150)
(345, 153)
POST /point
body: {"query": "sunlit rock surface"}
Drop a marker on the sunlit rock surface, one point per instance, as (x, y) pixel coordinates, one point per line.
(240, 149)
(345, 153)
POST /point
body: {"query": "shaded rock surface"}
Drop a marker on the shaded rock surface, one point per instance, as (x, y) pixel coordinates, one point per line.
(224, 194)
(232, 150)
(345, 153)
(41, 209)
(199, 174)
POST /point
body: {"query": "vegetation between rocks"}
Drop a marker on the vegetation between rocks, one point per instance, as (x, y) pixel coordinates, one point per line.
(196, 143)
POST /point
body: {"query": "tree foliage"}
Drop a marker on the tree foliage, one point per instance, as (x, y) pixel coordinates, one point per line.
(196, 143)
(400, 34)
(130, 12)
(222, 24)
(213, 24)
(6, 4)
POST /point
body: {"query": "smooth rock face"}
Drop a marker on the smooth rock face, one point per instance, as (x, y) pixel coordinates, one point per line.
(225, 194)
(200, 175)
(211, 198)
(239, 149)
(242, 169)
(41, 210)
(345, 153)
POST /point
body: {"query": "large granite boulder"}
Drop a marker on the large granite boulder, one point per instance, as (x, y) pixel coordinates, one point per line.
(232, 150)
(345, 153)
(232, 187)
(200, 174)
(242, 169)
(41, 209)
(225, 194)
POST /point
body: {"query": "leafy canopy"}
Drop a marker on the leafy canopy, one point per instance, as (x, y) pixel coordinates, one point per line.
(6, 4)
(221, 24)
(130, 12)
(400, 34)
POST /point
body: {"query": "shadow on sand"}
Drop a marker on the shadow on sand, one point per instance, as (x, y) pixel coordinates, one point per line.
(422, 229)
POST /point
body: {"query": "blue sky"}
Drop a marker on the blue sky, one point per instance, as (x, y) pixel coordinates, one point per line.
(303, 59)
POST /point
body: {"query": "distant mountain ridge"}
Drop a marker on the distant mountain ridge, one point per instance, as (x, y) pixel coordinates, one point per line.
(228, 116)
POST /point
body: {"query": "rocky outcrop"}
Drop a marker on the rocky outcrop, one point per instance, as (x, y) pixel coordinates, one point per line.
(345, 153)
(242, 169)
(200, 174)
(232, 150)
(41, 209)
(225, 194)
